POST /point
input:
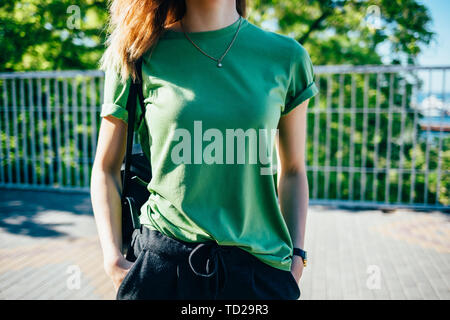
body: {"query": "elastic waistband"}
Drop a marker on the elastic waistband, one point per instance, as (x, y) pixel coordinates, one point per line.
(159, 243)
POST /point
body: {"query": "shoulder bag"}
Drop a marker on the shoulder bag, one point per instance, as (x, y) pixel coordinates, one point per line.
(136, 169)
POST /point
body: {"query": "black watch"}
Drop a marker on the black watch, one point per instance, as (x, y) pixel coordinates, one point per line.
(302, 254)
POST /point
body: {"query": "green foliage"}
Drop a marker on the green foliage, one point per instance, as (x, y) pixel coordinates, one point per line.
(51, 35)
(341, 32)
(63, 34)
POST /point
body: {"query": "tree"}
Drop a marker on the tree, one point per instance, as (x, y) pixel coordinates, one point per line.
(351, 31)
(54, 35)
(51, 35)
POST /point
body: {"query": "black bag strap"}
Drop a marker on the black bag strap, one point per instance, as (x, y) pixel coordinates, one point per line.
(134, 91)
(140, 90)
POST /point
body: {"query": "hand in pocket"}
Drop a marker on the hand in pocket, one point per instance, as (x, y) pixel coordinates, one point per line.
(117, 270)
(297, 268)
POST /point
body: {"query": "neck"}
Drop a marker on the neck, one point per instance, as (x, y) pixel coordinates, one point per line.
(206, 15)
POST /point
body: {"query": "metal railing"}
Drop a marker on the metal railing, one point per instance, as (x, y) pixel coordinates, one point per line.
(49, 122)
(370, 140)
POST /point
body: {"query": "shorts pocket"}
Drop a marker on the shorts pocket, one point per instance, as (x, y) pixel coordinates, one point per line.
(271, 283)
(294, 283)
(127, 287)
(152, 277)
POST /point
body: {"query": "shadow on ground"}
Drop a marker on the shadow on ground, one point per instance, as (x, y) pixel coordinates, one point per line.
(26, 212)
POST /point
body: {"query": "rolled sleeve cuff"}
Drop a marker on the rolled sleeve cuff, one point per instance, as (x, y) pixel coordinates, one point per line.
(306, 94)
(114, 110)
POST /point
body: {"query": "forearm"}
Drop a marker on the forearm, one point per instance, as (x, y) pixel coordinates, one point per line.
(294, 196)
(106, 203)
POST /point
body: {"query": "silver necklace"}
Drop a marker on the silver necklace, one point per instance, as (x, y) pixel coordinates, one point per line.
(218, 60)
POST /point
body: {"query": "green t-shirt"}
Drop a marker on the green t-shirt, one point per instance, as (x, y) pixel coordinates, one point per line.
(203, 128)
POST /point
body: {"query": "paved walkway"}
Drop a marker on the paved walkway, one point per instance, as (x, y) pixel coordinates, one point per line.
(49, 250)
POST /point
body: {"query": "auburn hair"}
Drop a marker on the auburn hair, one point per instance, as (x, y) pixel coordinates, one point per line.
(135, 26)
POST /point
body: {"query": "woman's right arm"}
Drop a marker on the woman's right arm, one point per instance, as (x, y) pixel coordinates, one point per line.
(106, 189)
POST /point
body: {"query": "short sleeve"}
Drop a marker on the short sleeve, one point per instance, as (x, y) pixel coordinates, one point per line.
(115, 97)
(301, 85)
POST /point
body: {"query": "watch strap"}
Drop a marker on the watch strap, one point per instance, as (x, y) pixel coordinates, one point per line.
(302, 254)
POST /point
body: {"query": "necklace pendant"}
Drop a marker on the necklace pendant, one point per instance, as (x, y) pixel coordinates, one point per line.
(219, 65)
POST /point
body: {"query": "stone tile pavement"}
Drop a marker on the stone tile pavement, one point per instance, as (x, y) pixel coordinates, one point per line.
(49, 250)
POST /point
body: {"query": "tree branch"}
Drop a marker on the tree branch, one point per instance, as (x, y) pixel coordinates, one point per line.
(327, 7)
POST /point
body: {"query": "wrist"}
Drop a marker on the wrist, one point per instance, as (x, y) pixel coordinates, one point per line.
(300, 253)
(112, 256)
(297, 260)
(110, 263)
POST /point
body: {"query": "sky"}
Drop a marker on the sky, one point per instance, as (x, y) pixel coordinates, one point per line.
(438, 52)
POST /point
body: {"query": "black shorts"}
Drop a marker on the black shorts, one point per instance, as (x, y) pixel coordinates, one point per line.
(167, 268)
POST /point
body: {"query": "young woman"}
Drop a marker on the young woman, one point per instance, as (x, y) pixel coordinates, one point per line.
(215, 225)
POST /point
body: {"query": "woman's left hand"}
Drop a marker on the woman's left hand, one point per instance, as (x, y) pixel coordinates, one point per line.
(297, 268)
